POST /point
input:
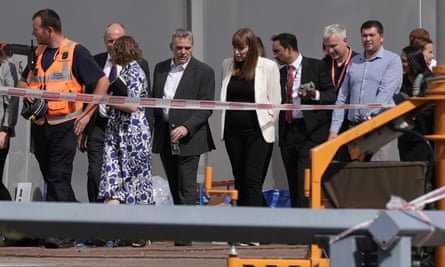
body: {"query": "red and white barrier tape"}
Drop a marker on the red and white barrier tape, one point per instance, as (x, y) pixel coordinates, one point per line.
(397, 203)
(173, 103)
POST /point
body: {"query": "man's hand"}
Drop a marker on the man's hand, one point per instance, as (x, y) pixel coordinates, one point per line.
(81, 122)
(81, 143)
(332, 135)
(3, 140)
(308, 94)
(178, 133)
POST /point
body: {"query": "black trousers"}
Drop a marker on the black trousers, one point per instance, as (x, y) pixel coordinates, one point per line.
(54, 149)
(95, 150)
(249, 156)
(296, 158)
(4, 193)
(181, 174)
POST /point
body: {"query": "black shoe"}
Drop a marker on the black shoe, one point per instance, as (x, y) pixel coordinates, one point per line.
(183, 243)
(138, 243)
(53, 242)
(122, 243)
(22, 242)
(95, 242)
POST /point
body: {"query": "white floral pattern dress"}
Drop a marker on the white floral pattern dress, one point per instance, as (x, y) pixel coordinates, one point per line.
(126, 167)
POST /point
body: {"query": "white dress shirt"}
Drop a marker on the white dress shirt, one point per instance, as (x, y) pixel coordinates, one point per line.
(296, 100)
(172, 82)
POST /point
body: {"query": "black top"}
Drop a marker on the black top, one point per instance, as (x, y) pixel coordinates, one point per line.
(236, 121)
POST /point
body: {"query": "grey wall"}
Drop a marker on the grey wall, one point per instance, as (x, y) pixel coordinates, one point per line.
(151, 22)
(306, 19)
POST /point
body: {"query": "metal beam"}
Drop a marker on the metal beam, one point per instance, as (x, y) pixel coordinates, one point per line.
(198, 223)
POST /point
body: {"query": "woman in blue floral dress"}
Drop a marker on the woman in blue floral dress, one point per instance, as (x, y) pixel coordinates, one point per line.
(126, 169)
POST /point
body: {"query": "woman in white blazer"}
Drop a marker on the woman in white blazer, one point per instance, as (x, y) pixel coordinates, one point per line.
(249, 135)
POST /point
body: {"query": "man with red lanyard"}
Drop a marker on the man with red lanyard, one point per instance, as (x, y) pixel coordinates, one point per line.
(336, 61)
(339, 54)
(60, 65)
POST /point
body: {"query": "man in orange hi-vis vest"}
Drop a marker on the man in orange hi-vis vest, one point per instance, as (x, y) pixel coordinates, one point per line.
(60, 65)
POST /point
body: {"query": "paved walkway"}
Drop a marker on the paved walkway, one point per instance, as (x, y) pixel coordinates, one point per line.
(159, 254)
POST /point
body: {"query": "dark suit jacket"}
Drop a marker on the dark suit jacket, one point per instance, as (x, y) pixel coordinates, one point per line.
(101, 59)
(198, 83)
(317, 121)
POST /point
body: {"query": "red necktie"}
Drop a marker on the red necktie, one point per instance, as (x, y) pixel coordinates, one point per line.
(290, 84)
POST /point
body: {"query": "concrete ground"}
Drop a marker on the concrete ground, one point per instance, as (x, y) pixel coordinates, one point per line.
(159, 254)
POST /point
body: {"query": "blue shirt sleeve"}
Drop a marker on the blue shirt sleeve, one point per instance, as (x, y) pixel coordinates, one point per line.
(85, 68)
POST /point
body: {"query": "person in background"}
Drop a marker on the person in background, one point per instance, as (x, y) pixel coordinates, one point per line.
(92, 140)
(422, 33)
(336, 62)
(182, 135)
(61, 65)
(427, 48)
(249, 135)
(377, 70)
(8, 116)
(300, 131)
(339, 54)
(412, 147)
(262, 50)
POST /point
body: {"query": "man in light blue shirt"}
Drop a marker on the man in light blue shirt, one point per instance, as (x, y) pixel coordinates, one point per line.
(372, 77)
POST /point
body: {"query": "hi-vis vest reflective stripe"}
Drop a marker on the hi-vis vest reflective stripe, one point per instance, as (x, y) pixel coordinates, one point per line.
(58, 78)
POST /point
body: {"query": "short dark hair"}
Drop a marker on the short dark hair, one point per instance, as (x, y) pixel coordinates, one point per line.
(286, 40)
(49, 18)
(371, 24)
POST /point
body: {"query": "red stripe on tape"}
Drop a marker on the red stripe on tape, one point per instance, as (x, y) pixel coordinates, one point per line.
(54, 95)
(265, 106)
(148, 102)
(236, 105)
(178, 103)
(84, 98)
(207, 104)
(116, 100)
(16, 92)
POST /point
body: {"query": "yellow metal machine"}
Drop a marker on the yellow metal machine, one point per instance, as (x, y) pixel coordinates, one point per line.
(323, 154)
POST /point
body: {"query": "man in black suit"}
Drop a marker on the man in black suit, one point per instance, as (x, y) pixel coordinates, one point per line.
(92, 140)
(299, 131)
(182, 77)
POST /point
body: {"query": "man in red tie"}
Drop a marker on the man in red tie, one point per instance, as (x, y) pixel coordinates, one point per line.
(299, 131)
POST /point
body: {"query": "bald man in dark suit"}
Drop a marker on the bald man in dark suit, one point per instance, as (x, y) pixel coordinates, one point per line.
(92, 140)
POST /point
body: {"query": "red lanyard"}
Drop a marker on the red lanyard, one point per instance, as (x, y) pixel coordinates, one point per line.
(343, 71)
